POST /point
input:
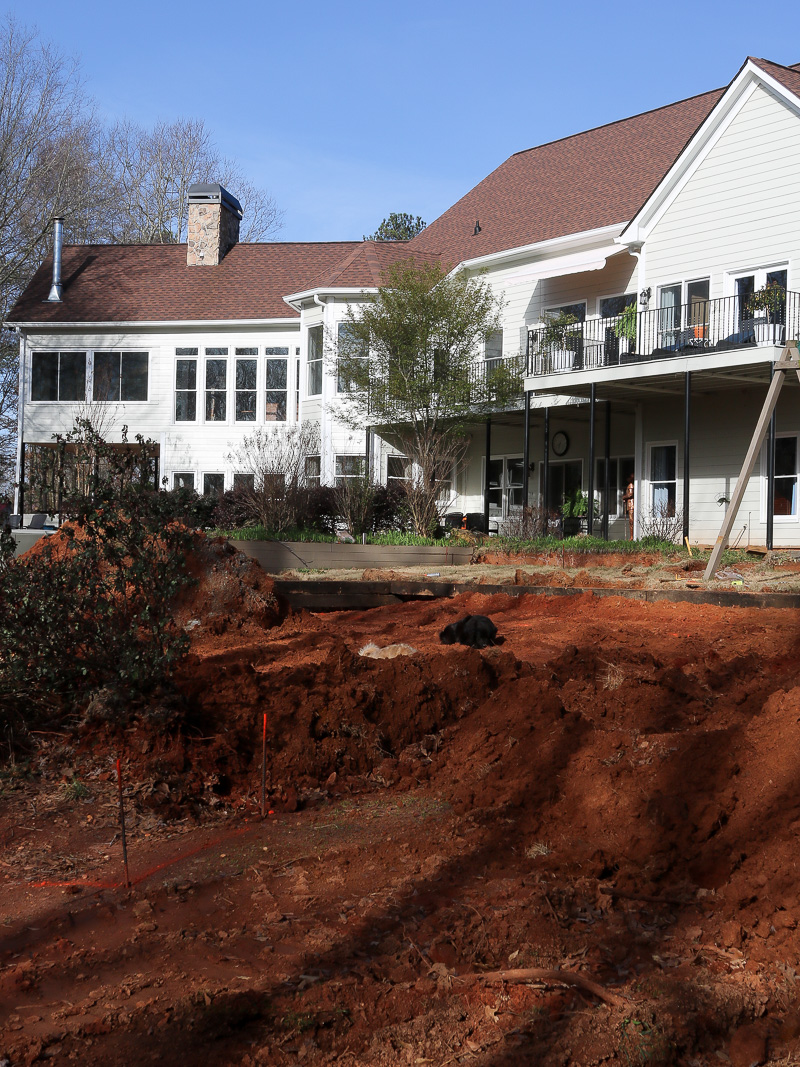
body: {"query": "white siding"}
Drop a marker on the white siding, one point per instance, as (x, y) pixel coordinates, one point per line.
(741, 207)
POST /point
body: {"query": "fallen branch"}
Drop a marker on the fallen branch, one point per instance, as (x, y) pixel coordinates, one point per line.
(540, 974)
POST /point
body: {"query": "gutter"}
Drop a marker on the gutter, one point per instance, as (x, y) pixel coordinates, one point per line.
(150, 323)
(554, 244)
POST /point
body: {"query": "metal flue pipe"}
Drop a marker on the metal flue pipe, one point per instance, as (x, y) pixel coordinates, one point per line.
(58, 243)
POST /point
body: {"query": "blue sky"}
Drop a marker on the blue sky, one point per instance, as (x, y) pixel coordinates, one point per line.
(348, 112)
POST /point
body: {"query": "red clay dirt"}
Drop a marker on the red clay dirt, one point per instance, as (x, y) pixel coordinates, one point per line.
(612, 795)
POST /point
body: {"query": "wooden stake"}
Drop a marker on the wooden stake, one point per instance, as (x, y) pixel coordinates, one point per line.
(688, 548)
(264, 769)
(122, 826)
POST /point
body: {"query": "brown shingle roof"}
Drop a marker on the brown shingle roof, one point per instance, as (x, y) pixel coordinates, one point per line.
(365, 265)
(787, 76)
(592, 179)
(152, 283)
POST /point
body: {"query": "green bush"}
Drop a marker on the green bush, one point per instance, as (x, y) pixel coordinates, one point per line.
(89, 607)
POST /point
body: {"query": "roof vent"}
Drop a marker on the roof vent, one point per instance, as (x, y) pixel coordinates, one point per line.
(477, 229)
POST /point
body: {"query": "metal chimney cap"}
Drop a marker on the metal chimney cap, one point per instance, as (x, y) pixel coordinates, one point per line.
(214, 193)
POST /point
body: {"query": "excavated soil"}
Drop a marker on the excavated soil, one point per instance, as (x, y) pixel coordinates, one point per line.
(605, 807)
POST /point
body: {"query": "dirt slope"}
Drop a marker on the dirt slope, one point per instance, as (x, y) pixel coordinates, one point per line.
(613, 792)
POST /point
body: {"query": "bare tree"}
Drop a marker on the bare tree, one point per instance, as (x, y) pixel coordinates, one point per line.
(273, 463)
(150, 171)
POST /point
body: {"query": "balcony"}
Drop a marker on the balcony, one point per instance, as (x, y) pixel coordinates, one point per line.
(695, 329)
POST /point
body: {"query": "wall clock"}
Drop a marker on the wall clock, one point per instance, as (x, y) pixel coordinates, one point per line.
(560, 443)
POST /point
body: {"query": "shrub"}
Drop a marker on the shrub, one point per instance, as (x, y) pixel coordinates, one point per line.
(234, 509)
(89, 607)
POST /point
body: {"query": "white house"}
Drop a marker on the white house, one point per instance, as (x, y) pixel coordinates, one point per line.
(679, 215)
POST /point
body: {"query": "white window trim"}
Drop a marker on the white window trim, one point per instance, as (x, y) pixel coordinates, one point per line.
(783, 520)
(198, 360)
(122, 351)
(226, 477)
(228, 420)
(648, 484)
(505, 508)
(759, 276)
(41, 350)
(183, 470)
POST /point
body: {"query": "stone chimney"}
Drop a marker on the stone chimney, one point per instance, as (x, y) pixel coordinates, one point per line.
(213, 227)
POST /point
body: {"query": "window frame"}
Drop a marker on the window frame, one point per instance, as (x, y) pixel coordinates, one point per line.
(619, 513)
(212, 474)
(58, 353)
(122, 353)
(344, 388)
(764, 480)
(243, 353)
(274, 355)
(184, 474)
(339, 478)
(214, 354)
(183, 355)
(316, 362)
(648, 481)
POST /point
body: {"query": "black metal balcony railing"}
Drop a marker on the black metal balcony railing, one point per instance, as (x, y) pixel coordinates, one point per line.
(690, 329)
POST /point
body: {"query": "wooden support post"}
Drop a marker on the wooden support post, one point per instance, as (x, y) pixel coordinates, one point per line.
(771, 479)
(122, 826)
(790, 360)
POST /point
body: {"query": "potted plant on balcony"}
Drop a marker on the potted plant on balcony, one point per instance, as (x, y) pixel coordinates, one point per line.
(558, 342)
(625, 326)
(768, 307)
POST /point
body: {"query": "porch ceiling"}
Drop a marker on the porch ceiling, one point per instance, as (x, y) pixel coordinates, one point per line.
(650, 383)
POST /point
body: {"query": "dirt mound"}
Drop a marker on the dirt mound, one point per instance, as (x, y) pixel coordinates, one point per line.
(230, 592)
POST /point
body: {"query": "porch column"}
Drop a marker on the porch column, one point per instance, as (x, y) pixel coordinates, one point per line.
(771, 475)
(21, 491)
(687, 410)
(486, 475)
(590, 510)
(607, 471)
(546, 465)
(526, 450)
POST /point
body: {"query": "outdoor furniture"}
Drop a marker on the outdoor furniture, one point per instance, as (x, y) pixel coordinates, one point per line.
(453, 520)
(37, 522)
(14, 522)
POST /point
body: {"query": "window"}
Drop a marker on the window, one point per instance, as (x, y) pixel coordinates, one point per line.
(564, 480)
(493, 350)
(619, 470)
(58, 376)
(785, 494)
(683, 314)
(120, 376)
(610, 306)
(398, 469)
(663, 479)
(349, 467)
(277, 389)
(444, 476)
(213, 484)
(216, 385)
(505, 483)
(245, 481)
(183, 481)
(313, 470)
(315, 361)
(351, 347)
(577, 311)
(186, 386)
(246, 370)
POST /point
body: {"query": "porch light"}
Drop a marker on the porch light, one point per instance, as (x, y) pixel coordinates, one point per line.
(644, 296)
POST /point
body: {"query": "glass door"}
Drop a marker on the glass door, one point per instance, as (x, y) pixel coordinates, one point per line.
(669, 316)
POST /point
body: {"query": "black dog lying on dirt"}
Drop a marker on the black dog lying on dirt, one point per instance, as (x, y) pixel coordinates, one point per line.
(477, 631)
